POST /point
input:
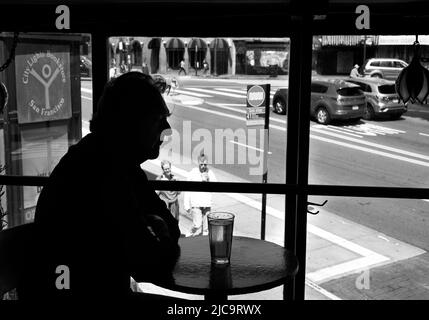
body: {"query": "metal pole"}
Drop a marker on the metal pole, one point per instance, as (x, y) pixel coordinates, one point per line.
(297, 151)
(196, 54)
(265, 163)
(364, 51)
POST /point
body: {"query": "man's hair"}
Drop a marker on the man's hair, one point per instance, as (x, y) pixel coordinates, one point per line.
(202, 157)
(164, 162)
(126, 99)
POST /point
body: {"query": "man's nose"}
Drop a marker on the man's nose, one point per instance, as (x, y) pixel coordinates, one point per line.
(166, 130)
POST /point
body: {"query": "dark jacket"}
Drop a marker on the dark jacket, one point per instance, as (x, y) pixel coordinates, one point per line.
(92, 218)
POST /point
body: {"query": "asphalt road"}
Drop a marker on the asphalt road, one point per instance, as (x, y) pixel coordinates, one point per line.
(368, 153)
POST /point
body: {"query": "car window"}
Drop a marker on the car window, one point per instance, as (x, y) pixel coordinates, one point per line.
(398, 64)
(363, 86)
(386, 64)
(318, 88)
(375, 64)
(348, 92)
(387, 89)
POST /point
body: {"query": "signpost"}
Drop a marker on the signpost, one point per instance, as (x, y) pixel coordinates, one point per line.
(258, 114)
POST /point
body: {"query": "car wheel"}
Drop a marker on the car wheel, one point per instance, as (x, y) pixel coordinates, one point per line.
(279, 106)
(369, 112)
(322, 116)
(377, 75)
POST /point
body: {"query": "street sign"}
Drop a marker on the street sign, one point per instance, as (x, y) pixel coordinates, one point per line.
(257, 104)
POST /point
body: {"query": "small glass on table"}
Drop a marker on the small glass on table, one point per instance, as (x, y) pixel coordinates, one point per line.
(220, 225)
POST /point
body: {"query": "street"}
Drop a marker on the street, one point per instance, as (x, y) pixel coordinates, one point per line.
(210, 115)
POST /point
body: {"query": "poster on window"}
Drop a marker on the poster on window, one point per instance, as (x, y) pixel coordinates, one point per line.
(42, 82)
(42, 149)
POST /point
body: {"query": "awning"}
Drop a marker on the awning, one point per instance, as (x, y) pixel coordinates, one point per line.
(135, 45)
(219, 44)
(402, 40)
(348, 40)
(197, 43)
(154, 43)
(175, 43)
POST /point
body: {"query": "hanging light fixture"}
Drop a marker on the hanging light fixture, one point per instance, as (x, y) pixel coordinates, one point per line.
(412, 83)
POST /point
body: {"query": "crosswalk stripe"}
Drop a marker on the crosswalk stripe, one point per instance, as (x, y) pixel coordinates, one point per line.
(342, 131)
(200, 95)
(217, 92)
(243, 91)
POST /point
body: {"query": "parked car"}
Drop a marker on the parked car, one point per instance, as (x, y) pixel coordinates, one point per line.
(330, 99)
(382, 98)
(385, 68)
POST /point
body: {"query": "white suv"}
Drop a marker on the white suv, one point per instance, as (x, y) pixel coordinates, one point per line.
(383, 68)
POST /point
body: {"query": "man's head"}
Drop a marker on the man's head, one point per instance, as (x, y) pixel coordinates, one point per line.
(203, 163)
(356, 66)
(132, 115)
(166, 167)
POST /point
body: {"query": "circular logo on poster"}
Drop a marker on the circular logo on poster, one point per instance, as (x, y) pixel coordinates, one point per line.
(44, 78)
(256, 96)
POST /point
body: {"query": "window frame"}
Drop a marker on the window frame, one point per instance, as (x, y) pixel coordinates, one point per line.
(301, 29)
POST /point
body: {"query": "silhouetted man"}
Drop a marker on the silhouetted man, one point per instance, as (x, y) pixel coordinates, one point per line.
(97, 218)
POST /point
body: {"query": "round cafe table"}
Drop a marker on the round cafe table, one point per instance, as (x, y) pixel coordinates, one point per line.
(255, 265)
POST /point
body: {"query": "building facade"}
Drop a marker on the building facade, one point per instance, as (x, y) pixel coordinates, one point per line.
(223, 56)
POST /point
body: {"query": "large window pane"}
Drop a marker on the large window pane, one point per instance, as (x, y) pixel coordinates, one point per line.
(368, 248)
(380, 142)
(209, 104)
(49, 84)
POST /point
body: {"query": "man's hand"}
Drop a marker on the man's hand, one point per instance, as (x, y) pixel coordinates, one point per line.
(158, 226)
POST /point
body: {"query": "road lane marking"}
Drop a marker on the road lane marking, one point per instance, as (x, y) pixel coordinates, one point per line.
(392, 156)
(233, 95)
(241, 91)
(348, 267)
(424, 134)
(372, 144)
(325, 292)
(384, 129)
(243, 110)
(199, 95)
(247, 146)
(341, 131)
(363, 129)
(227, 115)
(381, 153)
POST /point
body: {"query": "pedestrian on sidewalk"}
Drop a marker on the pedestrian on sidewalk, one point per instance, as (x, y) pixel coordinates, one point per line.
(199, 203)
(354, 73)
(182, 67)
(171, 198)
(205, 66)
